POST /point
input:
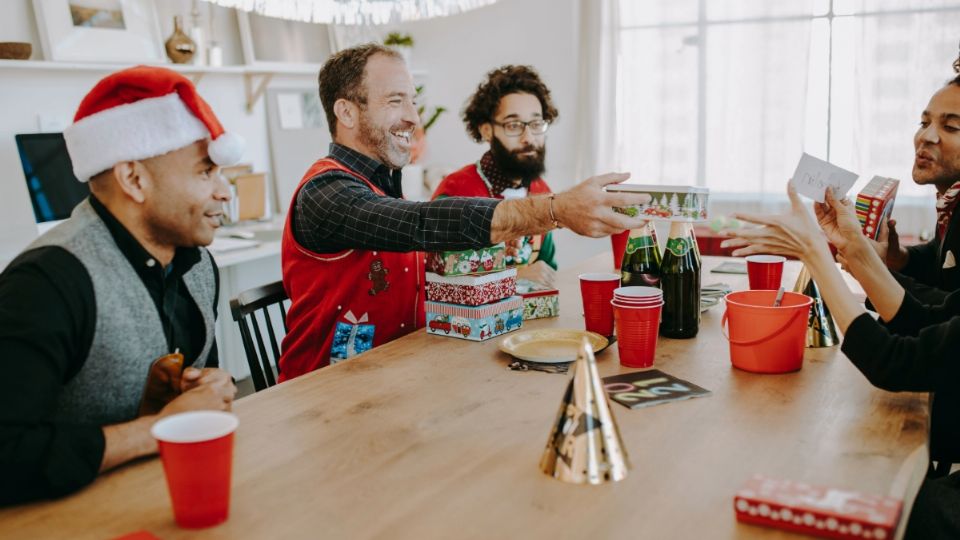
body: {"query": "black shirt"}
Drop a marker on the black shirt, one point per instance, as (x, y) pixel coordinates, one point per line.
(47, 320)
(335, 211)
(917, 351)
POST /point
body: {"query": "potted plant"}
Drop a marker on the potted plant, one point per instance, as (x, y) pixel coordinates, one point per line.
(402, 43)
(419, 143)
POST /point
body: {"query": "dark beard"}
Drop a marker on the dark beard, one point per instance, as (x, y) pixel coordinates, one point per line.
(513, 166)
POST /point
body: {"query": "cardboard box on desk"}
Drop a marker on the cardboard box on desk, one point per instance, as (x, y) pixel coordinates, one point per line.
(475, 323)
(251, 195)
(471, 261)
(472, 290)
(816, 510)
(539, 302)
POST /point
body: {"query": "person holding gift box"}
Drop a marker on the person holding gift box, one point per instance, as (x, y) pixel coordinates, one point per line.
(913, 347)
(511, 110)
(87, 307)
(930, 271)
(352, 244)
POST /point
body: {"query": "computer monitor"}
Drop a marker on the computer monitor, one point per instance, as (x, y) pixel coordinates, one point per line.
(54, 190)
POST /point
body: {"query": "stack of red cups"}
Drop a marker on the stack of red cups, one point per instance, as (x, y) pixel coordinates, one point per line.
(636, 313)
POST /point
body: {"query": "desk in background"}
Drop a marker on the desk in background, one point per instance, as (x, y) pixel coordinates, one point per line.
(242, 269)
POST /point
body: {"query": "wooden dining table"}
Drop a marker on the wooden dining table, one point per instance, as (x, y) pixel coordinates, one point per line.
(434, 437)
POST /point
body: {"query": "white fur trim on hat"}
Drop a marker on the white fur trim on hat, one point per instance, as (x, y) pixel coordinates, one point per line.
(144, 129)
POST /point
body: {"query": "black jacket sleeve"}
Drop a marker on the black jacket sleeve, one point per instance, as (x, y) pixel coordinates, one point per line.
(47, 316)
(923, 262)
(926, 294)
(916, 351)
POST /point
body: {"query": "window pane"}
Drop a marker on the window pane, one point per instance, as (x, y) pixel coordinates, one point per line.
(757, 104)
(848, 7)
(645, 12)
(885, 70)
(657, 105)
(749, 9)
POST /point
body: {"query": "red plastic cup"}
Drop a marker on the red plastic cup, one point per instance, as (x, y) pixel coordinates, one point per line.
(197, 453)
(619, 244)
(765, 271)
(637, 334)
(596, 290)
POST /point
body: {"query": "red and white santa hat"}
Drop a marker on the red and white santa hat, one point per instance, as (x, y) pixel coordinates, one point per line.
(143, 112)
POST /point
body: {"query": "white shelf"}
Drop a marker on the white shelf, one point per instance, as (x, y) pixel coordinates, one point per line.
(274, 68)
(260, 68)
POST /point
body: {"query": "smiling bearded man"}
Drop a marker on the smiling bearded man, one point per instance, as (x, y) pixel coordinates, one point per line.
(352, 261)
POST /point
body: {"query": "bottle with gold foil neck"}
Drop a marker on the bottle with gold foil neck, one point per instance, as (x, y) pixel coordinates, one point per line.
(641, 258)
(680, 281)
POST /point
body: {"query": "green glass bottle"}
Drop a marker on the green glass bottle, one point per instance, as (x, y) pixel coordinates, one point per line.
(680, 281)
(641, 258)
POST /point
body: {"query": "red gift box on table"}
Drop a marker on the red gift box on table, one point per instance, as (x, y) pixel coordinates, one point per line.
(474, 290)
(875, 204)
(816, 510)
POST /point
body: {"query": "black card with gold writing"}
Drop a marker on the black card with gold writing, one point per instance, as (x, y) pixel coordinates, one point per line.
(646, 388)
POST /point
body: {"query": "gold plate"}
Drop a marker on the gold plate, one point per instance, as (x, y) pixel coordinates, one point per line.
(550, 345)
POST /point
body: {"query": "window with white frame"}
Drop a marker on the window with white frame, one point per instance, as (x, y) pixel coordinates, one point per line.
(728, 93)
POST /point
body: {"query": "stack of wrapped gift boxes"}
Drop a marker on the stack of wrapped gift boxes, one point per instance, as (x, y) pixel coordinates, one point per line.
(472, 294)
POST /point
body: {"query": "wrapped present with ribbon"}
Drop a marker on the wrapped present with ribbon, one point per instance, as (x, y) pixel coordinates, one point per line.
(351, 338)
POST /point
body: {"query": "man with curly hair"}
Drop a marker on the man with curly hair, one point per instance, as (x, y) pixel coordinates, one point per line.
(511, 110)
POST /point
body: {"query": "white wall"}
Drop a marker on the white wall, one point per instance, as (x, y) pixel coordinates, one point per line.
(456, 52)
(55, 94)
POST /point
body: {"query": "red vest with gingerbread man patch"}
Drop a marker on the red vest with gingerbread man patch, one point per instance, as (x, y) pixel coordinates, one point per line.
(345, 303)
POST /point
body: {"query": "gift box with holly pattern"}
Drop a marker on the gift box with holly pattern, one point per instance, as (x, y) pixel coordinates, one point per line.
(539, 302)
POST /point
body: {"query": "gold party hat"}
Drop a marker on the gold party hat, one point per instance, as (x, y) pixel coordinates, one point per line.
(821, 330)
(585, 446)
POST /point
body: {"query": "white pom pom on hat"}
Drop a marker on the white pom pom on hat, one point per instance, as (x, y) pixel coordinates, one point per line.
(143, 112)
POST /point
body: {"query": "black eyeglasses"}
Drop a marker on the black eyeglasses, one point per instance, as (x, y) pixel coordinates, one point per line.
(956, 65)
(514, 128)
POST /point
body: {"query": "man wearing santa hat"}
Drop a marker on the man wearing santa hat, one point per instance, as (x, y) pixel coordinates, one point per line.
(87, 309)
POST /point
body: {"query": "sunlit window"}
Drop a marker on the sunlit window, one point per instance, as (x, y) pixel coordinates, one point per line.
(727, 94)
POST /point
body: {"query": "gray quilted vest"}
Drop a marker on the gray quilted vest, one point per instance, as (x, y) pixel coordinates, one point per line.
(128, 335)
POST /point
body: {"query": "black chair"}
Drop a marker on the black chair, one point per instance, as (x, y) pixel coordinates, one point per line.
(244, 310)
